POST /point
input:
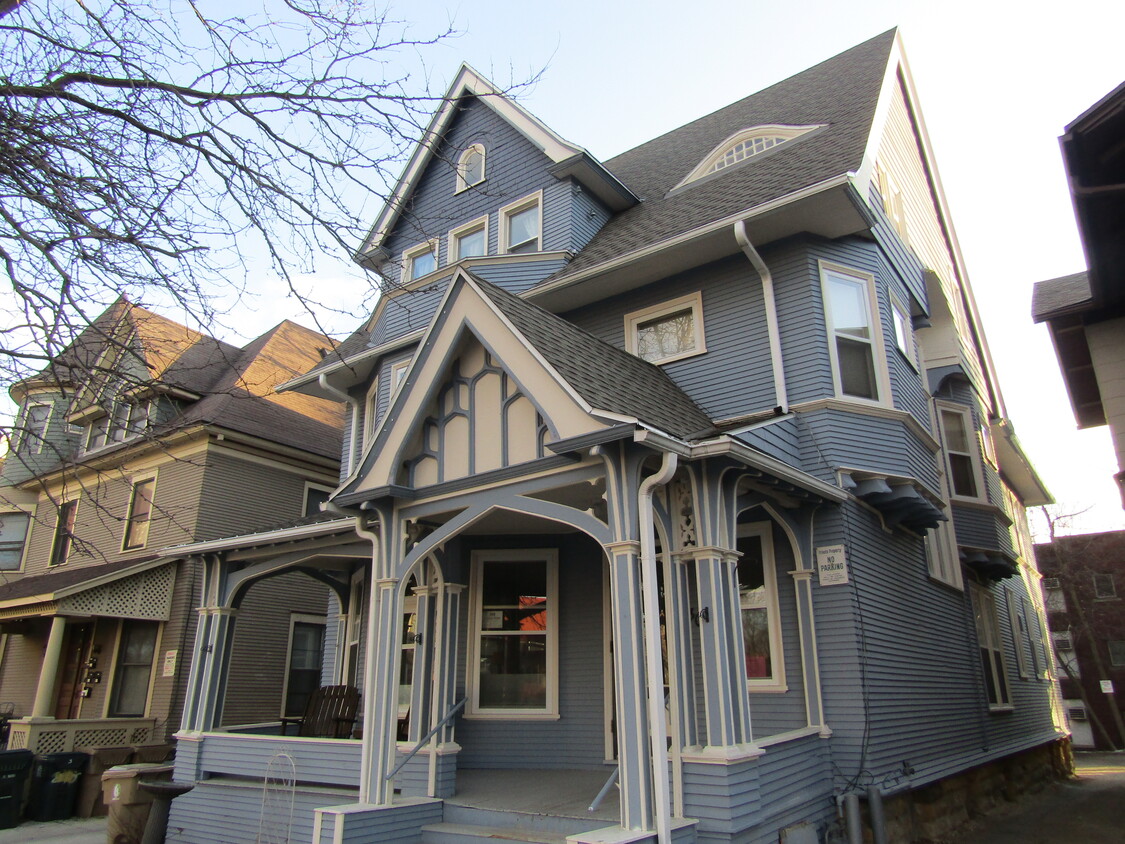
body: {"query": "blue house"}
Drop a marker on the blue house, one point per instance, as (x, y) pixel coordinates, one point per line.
(687, 471)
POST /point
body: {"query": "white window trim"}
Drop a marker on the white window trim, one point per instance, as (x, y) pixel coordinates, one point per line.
(694, 301)
(26, 432)
(58, 505)
(370, 413)
(878, 342)
(107, 704)
(24, 542)
(893, 204)
(1112, 595)
(941, 555)
(508, 211)
(904, 331)
(462, 184)
(453, 241)
(776, 683)
(984, 602)
(398, 375)
(787, 132)
(1019, 634)
(133, 481)
(309, 485)
(353, 627)
(408, 256)
(973, 434)
(472, 688)
(294, 618)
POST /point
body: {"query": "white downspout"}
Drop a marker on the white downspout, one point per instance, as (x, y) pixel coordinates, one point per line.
(650, 601)
(781, 397)
(340, 395)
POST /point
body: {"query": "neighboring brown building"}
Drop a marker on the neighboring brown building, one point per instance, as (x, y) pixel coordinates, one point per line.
(144, 434)
(1084, 589)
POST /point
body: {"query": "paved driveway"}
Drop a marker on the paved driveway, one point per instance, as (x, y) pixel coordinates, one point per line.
(1090, 810)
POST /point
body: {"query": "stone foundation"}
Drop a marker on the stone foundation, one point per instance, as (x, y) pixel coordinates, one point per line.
(931, 813)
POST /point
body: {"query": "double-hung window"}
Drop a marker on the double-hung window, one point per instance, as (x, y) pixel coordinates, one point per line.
(961, 452)
(513, 647)
(757, 598)
(133, 671)
(420, 260)
(13, 532)
(521, 227)
(306, 651)
(1104, 587)
(64, 532)
(855, 335)
(34, 433)
(140, 514)
(668, 331)
(991, 648)
(469, 240)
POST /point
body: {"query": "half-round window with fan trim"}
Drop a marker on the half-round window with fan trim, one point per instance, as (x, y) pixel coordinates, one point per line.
(745, 145)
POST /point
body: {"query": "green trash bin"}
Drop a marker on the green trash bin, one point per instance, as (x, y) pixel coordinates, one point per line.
(54, 785)
(14, 765)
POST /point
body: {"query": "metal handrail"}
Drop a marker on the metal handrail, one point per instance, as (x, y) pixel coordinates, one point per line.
(593, 807)
(422, 741)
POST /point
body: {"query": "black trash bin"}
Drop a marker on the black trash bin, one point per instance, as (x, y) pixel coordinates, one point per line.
(14, 765)
(54, 785)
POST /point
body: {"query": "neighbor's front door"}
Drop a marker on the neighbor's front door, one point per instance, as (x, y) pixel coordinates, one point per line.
(76, 652)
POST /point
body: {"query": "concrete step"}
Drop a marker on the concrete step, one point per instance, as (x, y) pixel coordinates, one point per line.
(460, 833)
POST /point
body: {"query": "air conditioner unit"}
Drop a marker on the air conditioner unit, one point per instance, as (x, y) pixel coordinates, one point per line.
(1051, 583)
(1063, 643)
(1077, 713)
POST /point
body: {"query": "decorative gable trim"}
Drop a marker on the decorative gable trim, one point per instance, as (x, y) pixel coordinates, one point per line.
(575, 160)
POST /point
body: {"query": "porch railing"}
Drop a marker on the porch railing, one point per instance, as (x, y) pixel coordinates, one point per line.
(47, 735)
(593, 807)
(453, 710)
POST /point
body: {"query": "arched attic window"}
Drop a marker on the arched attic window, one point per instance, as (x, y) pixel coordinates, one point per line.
(470, 167)
(744, 145)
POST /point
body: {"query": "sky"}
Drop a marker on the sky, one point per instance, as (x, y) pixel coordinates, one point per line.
(997, 84)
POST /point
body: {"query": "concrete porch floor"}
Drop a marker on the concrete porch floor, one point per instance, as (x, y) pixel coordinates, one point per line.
(538, 791)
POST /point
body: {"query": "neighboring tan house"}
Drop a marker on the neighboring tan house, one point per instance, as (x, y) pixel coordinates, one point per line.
(143, 434)
(1084, 588)
(688, 468)
(1085, 312)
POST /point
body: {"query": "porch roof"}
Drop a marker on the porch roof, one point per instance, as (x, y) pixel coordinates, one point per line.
(125, 589)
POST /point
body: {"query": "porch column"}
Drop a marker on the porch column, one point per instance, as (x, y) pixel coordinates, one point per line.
(381, 687)
(44, 705)
(216, 666)
(629, 682)
(196, 690)
(420, 689)
(681, 670)
(725, 693)
(446, 625)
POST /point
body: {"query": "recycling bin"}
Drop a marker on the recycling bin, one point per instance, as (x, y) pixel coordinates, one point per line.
(154, 753)
(54, 785)
(90, 803)
(128, 803)
(14, 767)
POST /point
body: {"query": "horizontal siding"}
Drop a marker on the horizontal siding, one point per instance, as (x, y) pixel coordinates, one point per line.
(576, 739)
(735, 376)
(259, 656)
(317, 761)
(780, 440)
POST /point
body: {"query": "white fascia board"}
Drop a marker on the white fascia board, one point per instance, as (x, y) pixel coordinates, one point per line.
(467, 82)
(272, 537)
(725, 445)
(627, 258)
(349, 364)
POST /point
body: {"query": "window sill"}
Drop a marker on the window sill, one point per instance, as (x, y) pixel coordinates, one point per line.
(673, 358)
(1002, 709)
(464, 188)
(771, 688)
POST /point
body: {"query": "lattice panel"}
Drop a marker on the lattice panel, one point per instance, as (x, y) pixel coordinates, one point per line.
(147, 595)
(53, 742)
(141, 735)
(17, 740)
(101, 738)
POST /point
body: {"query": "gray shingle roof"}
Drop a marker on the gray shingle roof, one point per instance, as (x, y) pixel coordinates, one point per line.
(841, 92)
(608, 378)
(1060, 295)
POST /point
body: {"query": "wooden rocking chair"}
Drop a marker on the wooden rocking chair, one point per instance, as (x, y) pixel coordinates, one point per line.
(330, 713)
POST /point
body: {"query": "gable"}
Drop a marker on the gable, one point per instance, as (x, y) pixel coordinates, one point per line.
(475, 378)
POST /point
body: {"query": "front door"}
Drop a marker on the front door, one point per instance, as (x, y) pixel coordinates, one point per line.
(73, 668)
